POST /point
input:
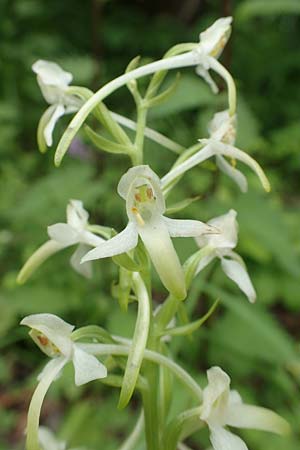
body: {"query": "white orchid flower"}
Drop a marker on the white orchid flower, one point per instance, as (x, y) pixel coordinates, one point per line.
(212, 42)
(222, 131)
(54, 82)
(221, 246)
(53, 336)
(222, 406)
(145, 205)
(63, 235)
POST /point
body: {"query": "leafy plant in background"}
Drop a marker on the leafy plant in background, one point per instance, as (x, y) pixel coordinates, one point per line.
(144, 362)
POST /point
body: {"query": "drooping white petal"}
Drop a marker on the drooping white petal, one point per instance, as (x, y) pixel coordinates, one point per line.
(63, 233)
(235, 153)
(48, 130)
(54, 328)
(216, 390)
(77, 216)
(87, 367)
(84, 269)
(203, 72)
(51, 73)
(121, 243)
(222, 439)
(48, 440)
(236, 175)
(156, 238)
(237, 273)
(256, 417)
(187, 228)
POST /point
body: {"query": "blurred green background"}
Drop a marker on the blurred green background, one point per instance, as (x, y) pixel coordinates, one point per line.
(257, 345)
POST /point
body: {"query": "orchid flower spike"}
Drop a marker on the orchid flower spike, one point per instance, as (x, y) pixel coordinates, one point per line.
(220, 246)
(212, 43)
(222, 131)
(63, 235)
(54, 82)
(222, 406)
(145, 205)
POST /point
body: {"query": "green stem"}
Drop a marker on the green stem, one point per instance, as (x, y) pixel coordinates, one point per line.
(140, 133)
(149, 355)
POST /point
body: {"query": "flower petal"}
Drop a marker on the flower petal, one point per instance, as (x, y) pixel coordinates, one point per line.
(58, 112)
(227, 226)
(222, 439)
(156, 238)
(77, 216)
(236, 175)
(256, 417)
(237, 273)
(87, 367)
(121, 243)
(54, 328)
(63, 233)
(214, 38)
(234, 152)
(203, 72)
(86, 237)
(216, 390)
(51, 73)
(187, 228)
(84, 269)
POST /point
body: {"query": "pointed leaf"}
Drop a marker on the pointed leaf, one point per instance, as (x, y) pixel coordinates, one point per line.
(105, 144)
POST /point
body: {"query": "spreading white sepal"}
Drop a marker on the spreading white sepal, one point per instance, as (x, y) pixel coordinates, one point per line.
(54, 82)
(145, 205)
(63, 235)
(53, 337)
(220, 246)
(222, 407)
